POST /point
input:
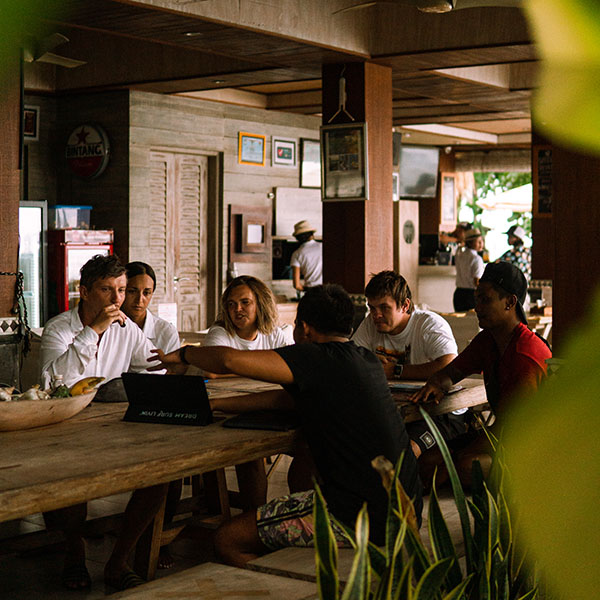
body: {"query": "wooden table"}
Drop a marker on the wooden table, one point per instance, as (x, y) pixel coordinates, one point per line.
(96, 454)
(471, 395)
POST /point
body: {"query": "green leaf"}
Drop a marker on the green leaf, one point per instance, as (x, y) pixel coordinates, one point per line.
(504, 525)
(431, 583)
(531, 595)
(404, 590)
(459, 495)
(325, 550)
(415, 549)
(567, 103)
(359, 581)
(441, 541)
(492, 532)
(458, 593)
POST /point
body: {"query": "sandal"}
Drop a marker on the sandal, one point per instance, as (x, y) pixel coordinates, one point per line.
(125, 581)
(76, 577)
(165, 559)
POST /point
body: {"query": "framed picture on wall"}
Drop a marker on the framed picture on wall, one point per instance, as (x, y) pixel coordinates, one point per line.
(283, 152)
(449, 199)
(344, 155)
(310, 163)
(251, 149)
(31, 123)
(542, 181)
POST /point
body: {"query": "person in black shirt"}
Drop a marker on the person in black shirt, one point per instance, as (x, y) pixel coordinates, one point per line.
(347, 415)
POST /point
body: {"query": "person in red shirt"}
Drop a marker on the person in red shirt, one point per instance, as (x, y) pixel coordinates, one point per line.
(510, 356)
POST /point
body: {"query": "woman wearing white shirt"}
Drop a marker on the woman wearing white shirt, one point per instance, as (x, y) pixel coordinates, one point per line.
(141, 283)
(248, 321)
(469, 268)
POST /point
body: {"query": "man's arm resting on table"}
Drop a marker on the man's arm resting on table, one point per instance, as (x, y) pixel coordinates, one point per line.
(438, 384)
(264, 365)
(426, 370)
(272, 399)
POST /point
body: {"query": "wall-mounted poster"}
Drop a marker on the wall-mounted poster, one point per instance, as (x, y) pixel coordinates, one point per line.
(310, 163)
(251, 149)
(31, 123)
(283, 152)
(344, 153)
(542, 181)
(448, 199)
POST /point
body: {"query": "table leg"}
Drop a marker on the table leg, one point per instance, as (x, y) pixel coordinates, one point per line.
(148, 546)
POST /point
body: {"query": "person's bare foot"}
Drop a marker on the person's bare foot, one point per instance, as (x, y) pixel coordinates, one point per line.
(165, 558)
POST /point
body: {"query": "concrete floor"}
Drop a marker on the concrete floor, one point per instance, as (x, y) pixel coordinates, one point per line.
(36, 574)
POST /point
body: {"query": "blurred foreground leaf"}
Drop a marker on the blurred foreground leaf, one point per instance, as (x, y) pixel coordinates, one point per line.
(553, 453)
(567, 103)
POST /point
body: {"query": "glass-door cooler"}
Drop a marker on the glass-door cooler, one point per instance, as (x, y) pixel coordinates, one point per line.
(68, 251)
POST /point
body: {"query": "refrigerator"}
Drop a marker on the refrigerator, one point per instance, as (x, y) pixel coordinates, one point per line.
(33, 225)
(68, 251)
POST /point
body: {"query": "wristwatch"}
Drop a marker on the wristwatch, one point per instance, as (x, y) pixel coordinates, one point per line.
(398, 368)
(182, 355)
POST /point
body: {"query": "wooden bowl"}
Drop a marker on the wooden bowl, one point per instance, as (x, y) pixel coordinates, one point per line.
(25, 414)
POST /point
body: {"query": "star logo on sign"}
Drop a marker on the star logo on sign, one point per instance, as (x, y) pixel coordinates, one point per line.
(82, 135)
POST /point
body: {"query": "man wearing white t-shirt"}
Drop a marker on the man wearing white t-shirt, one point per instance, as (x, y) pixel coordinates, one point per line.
(306, 261)
(411, 344)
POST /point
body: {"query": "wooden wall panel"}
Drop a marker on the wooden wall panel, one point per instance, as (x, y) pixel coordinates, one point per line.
(10, 178)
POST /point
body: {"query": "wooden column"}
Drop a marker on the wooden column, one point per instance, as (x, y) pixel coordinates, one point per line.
(358, 236)
(10, 176)
(565, 245)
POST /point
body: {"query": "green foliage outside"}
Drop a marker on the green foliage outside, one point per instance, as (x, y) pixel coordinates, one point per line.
(495, 566)
(493, 183)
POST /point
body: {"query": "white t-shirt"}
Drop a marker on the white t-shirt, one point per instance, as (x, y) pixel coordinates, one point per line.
(219, 336)
(72, 350)
(309, 257)
(426, 337)
(469, 266)
(161, 333)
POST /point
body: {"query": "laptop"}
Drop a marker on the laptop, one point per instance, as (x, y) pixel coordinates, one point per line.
(171, 399)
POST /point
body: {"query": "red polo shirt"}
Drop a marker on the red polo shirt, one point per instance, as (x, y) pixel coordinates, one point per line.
(521, 367)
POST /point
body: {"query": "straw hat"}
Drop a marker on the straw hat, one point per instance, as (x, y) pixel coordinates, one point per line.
(471, 234)
(303, 227)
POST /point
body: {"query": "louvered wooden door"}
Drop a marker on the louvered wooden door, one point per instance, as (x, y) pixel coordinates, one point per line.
(178, 234)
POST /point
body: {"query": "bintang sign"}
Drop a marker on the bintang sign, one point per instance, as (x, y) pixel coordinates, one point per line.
(87, 151)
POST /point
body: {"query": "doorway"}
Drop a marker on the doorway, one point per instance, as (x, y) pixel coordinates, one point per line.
(183, 229)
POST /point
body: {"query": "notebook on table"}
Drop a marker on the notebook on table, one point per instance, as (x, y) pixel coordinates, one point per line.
(171, 399)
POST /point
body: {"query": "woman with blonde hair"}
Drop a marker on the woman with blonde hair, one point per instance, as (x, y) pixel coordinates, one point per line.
(248, 318)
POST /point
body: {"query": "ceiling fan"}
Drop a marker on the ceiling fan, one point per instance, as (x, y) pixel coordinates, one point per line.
(35, 50)
(435, 6)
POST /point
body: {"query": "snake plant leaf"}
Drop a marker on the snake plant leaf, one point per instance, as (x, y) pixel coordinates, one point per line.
(459, 495)
(390, 579)
(325, 550)
(359, 581)
(553, 454)
(404, 588)
(504, 525)
(431, 582)
(459, 592)
(415, 549)
(531, 595)
(492, 531)
(567, 104)
(441, 541)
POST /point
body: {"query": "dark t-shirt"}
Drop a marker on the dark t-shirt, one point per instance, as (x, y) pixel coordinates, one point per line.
(348, 418)
(521, 367)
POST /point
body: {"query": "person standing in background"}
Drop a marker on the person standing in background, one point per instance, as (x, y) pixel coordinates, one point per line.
(306, 261)
(518, 255)
(469, 268)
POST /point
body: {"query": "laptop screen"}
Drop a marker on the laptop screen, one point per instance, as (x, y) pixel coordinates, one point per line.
(173, 399)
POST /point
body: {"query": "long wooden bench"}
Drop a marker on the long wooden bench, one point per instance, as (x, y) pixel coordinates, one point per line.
(299, 563)
(211, 581)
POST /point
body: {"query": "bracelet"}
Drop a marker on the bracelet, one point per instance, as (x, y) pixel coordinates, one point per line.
(398, 368)
(182, 355)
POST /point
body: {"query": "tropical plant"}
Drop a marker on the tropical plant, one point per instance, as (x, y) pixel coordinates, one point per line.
(403, 569)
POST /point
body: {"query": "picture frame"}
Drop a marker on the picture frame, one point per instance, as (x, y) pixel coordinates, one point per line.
(283, 152)
(395, 187)
(31, 123)
(251, 149)
(344, 157)
(310, 163)
(448, 200)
